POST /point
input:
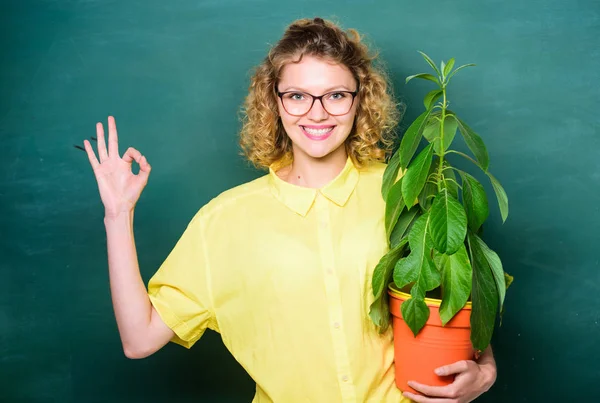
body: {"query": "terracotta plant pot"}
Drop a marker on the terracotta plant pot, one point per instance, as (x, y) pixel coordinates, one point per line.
(435, 345)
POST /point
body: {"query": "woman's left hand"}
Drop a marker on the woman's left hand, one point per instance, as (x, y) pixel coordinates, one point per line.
(472, 379)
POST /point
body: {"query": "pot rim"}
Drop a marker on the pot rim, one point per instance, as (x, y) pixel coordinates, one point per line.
(395, 291)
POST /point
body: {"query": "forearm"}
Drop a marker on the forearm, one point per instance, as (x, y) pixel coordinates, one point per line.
(131, 304)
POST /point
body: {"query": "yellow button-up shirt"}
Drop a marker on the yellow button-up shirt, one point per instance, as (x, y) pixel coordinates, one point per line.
(283, 273)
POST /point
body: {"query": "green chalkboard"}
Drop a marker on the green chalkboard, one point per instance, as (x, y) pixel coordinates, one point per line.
(174, 75)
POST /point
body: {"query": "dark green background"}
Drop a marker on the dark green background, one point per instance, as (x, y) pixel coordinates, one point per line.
(175, 73)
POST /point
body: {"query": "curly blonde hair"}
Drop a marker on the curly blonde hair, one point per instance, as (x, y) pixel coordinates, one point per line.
(263, 139)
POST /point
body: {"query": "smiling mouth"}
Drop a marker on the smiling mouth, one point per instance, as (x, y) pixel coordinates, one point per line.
(317, 134)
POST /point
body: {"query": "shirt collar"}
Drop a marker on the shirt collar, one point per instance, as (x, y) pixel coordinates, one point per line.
(300, 199)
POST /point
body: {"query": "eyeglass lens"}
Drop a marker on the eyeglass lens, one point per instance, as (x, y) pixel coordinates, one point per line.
(335, 103)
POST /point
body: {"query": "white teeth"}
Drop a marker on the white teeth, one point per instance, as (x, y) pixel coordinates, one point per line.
(317, 132)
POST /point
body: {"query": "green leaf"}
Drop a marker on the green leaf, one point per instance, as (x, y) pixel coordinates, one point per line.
(416, 175)
(450, 182)
(415, 313)
(508, 279)
(448, 224)
(457, 70)
(432, 131)
(475, 144)
(379, 312)
(432, 128)
(379, 309)
(417, 238)
(412, 138)
(439, 259)
(431, 98)
(450, 126)
(500, 195)
(484, 297)
(430, 62)
(429, 277)
(456, 283)
(448, 67)
(494, 263)
(475, 201)
(424, 76)
(382, 272)
(404, 224)
(430, 188)
(406, 270)
(393, 207)
(418, 267)
(498, 189)
(390, 174)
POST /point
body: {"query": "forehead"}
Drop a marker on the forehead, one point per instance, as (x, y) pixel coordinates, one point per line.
(314, 74)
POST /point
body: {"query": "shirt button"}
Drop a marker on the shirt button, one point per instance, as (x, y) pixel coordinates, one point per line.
(336, 325)
(323, 224)
(345, 378)
(329, 271)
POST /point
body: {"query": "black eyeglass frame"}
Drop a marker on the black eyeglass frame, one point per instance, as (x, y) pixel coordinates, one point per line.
(320, 98)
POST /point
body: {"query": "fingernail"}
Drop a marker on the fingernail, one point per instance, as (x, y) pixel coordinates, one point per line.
(439, 371)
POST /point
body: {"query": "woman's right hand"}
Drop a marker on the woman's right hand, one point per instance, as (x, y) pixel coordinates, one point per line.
(119, 187)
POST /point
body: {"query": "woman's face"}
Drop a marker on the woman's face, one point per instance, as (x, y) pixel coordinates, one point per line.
(317, 134)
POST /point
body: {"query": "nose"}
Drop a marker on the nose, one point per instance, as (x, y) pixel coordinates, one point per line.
(317, 113)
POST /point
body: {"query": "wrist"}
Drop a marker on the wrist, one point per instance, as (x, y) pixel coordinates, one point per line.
(489, 374)
(122, 217)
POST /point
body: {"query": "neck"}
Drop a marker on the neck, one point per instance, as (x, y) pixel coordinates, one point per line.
(315, 173)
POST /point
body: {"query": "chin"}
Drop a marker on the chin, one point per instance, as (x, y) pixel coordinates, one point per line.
(315, 149)
(318, 151)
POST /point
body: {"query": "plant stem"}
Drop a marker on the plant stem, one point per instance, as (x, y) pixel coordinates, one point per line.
(467, 157)
(442, 152)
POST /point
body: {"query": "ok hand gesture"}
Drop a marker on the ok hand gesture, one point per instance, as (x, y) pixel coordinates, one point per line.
(119, 187)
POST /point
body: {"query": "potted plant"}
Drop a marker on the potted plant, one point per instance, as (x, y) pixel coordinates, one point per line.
(445, 285)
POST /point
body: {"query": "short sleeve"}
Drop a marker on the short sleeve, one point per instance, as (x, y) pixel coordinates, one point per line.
(180, 289)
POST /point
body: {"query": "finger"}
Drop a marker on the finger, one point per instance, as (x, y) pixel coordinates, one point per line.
(101, 143)
(145, 168)
(455, 368)
(422, 399)
(91, 155)
(132, 154)
(113, 140)
(433, 391)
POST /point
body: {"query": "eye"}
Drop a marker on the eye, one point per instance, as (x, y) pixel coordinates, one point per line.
(335, 96)
(295, 96)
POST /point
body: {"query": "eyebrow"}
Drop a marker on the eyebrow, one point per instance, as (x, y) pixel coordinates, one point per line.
(337, 87)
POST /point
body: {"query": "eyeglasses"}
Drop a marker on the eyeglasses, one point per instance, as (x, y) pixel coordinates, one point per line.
(335, 103)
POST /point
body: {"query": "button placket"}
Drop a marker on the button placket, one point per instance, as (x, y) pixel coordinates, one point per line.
(332, 290)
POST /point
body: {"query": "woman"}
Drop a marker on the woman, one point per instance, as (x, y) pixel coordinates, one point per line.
(281, 266)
